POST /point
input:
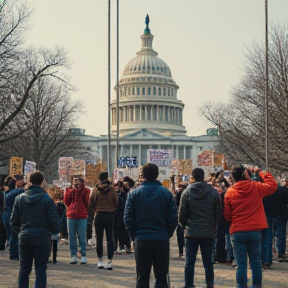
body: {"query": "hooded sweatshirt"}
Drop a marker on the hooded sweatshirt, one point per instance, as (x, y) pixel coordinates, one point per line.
(34, 213)
(200, 210)
(243, 205)
(104, 198)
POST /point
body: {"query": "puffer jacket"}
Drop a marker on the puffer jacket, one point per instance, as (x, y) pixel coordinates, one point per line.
(243, 205)
(104, 198)
(34, 213)
(150, 212)
(200, 210)
(76, 201)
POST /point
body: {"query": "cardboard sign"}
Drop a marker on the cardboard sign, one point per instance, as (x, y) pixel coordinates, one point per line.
(16, 166)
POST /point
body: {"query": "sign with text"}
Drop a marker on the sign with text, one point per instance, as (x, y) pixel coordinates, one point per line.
(129, 162)
(29, 167)
(160, 157)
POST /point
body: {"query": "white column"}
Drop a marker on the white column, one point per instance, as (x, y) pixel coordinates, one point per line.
(176, 151)
(184, 151)
(134, 111)
(146, 113)
(157, 113)
(174, 113)
(140, 112)
(169, 114)
(139, 155)
(130, 151)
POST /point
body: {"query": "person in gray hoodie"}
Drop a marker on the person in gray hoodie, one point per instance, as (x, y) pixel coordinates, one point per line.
(34, 218)
(199, 214)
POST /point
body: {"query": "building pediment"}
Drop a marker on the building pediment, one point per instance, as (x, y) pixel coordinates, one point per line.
(144, 133)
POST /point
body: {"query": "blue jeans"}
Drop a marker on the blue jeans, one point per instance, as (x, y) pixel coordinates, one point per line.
(267, 239)
(37, 248)
(77, 226)
(6, 220)
(247, 242)
(230, 254)
(206, 246)
(281, 235)
(14, 250)
(12, 237)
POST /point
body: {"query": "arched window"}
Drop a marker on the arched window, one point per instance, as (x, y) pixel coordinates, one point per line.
(154, 90)
(149, 91)
(159, 91)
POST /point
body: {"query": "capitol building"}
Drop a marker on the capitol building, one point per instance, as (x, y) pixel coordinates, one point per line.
(150, 113)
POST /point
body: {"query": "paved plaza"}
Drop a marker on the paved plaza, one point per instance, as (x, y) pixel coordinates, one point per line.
(63, 275)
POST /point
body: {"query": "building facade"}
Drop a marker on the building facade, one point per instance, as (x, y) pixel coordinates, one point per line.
(150, 113)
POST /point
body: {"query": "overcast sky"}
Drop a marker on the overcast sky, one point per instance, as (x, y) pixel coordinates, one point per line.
(202, 41)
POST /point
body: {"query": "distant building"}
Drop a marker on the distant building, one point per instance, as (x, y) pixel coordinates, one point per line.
(150, 113)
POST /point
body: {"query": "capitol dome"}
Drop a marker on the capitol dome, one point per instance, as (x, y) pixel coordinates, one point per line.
(148, 94)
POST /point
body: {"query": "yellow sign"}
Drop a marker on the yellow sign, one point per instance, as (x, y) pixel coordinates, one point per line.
(16, 166)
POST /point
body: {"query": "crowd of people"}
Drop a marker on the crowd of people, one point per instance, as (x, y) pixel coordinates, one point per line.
(229, 218)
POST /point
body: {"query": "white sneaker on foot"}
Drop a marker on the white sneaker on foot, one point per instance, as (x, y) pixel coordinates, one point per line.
(73, 260)
(109, 265)
(100, 264)
(83, 260)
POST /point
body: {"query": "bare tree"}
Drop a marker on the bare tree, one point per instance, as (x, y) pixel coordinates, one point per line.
(48, 114)
(241, 121)
(21, 68)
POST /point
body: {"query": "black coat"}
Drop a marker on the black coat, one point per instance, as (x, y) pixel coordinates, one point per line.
(275, 204)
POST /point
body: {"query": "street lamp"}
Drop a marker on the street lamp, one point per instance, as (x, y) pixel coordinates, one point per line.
(109, 90)
(266, 88)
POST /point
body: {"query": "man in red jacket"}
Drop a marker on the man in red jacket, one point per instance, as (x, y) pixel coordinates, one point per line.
(77, 200)
(244, 209)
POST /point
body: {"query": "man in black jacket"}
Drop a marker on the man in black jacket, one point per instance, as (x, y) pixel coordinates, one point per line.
(35, 218)
(199, 214)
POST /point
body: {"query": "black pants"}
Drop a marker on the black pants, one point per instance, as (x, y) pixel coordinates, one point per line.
(180, 239)
(54, 249)
(104, 220)
(152, 252)
(37, 249)
(122, 234)
(3, 235)
(221, 254)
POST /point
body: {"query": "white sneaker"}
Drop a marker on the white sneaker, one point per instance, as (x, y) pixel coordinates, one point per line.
(100, 264)
(73, 260)
(83, 260)
(109, 265)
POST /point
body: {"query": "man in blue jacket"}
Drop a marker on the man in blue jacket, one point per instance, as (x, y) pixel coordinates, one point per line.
(35, 218)
(150, 218)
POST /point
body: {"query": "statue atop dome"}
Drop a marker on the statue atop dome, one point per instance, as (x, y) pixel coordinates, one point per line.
(147, 21)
